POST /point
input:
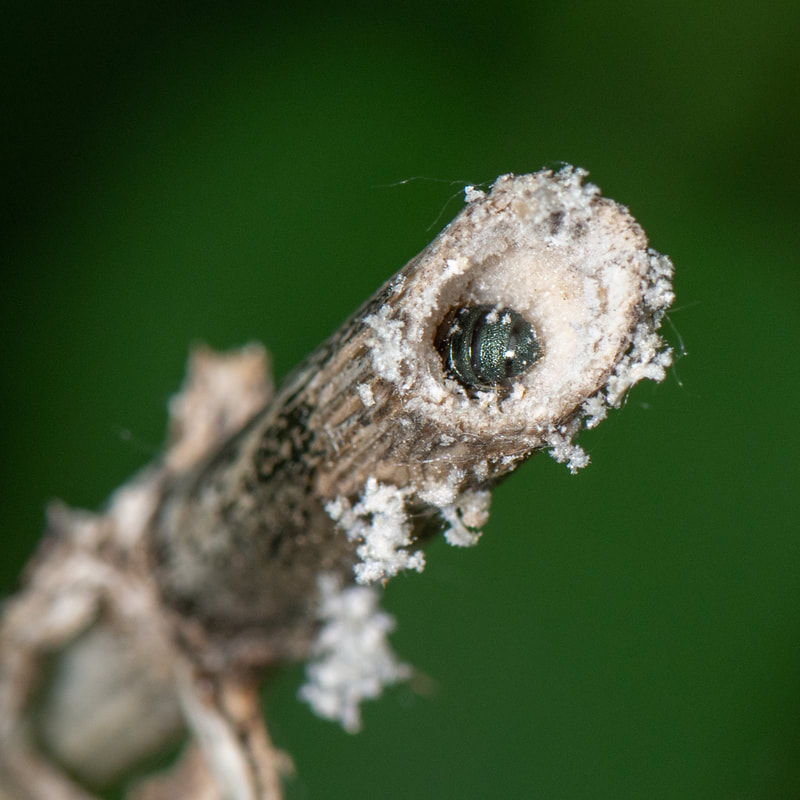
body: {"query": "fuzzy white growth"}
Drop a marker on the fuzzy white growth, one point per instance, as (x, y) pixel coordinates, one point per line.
(565, 451)
(646, 357)
(366, 395)
(394, 348)
(443, 494)
(466, 516)
(595, 410)
(465, 512)
(351, 659)
(471, 194)
(379, 520)
(645, 360)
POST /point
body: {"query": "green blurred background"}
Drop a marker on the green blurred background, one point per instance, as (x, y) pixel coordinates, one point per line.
(175, 173)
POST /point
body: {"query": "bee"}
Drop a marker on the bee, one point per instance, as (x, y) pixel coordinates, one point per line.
(484, 346)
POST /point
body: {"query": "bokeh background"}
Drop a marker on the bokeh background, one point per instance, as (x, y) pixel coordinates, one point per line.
(228, 172)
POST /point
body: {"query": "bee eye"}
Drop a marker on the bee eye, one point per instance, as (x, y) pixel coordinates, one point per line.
(485, 346)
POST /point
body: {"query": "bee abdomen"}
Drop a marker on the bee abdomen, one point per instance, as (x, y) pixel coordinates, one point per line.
(485, 346)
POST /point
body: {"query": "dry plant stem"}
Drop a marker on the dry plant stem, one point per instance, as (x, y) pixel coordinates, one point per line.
(88, 595)
(226, 718)
(240, 544)
(206, 569)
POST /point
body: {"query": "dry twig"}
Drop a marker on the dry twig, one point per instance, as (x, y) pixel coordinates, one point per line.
(527, 317)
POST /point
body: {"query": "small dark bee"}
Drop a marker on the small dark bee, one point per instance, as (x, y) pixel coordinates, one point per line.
(485, 346)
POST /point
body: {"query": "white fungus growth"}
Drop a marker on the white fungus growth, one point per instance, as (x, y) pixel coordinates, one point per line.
(379, 521)
(366, 395)
(481, 470)
(464, 512)
(471, 194)
(595, 411)
(465, 516)
(565, 451)
(394, 348)
(351, 660)
(443, 494)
